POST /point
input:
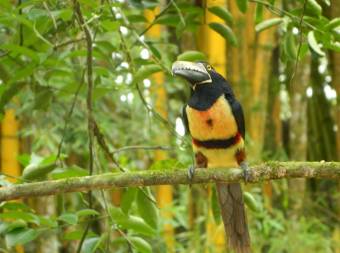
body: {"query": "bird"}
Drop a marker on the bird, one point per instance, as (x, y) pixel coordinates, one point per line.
(214, 118)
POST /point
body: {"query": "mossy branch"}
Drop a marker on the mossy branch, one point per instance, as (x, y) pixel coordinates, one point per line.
(261, 172)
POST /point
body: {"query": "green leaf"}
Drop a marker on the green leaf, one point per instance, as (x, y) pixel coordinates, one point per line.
(21, 50)
(42, 97)
(146, 71)
(87, 212)
(15, 215)
(314, 44)
(73, 171)
(69, 218)
(250, 202)
(314, 8)
(169, 20)
(333, 24)
(223, 13)
(290, 46)
(73, 235)
(267, 24)
(128, 197)
(140, 244)
(91, 245)
(215, 207)
(136, 18)
(109, 25)
(37, 171)
(10, 205)
(20, 236)
(225, 32)
(16, 225)
(192, 55)
(131, 222)
(146, 208)
(258, 13)
(242, 5)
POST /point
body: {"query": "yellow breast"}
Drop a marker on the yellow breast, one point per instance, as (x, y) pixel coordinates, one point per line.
(217, 122)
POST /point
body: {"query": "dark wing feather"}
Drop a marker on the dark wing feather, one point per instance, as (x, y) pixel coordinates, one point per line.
(237, 110)
(185, 119)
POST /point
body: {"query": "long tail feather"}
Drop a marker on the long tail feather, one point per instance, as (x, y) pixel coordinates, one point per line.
(234, 217)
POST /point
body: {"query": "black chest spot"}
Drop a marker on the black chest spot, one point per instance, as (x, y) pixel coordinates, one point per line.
(210, 122)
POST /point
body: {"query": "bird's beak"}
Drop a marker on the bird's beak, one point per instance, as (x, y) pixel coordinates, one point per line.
(193, 72)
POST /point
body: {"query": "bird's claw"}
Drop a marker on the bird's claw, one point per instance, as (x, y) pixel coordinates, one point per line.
(191, 173)
(246, 172)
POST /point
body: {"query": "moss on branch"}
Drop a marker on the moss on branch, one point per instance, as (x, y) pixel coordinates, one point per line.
(261, 172)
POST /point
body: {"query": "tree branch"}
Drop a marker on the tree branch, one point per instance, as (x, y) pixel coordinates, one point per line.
(265, 171)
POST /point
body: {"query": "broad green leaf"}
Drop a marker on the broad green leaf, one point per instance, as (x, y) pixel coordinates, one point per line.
(73, 171)
(42, 97)
(87, 212)
(215, 207)
(20, 236)
(314, 44)
(333, 24)
(290, 46)
(225, 32)
(169, 20)
(267, 24)
(73, 235)
(21, 50)
(91, 245)
(128, 197)
(131, 222)
(258, 13)
(36, 171)
(10, 205)
(136, 18)
(192, 55)
(251, 202)
(140, 244)
(146, 208)
(146, 71)
(16, 225)
(223, 13)
(26, 216)
(313, 7)
(69, 218)
(242, 5)
(154, 50)
(109, 25)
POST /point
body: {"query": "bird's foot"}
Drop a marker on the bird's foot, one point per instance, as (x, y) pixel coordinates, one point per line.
(191, 173)
(246, 171)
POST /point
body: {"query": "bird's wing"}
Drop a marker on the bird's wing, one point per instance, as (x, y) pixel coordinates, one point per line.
(185, 119)
(237, 110)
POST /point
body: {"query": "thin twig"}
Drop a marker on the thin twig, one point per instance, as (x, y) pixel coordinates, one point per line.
(89, 103)
(128, 148)
(299, 47)
(63, 44)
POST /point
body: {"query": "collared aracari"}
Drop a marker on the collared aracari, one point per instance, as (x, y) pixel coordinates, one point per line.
(215, 121)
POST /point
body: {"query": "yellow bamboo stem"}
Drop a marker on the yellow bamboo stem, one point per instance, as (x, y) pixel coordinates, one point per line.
(10, 151)
(164, 192)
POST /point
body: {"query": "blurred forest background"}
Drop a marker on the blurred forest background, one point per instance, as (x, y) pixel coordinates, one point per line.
(85, 88)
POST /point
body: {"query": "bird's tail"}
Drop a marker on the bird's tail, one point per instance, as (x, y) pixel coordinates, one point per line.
(234, 217)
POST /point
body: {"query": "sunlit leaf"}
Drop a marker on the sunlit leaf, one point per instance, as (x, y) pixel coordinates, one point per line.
(314, 44)
(140, 244)
(290, 46)
(267, 24)
(146, 208)
(146, 71)
(223, 13)
(87, 212)
(192, 56)
(129, 195)
(69, 218)
(250, 201)
(258, 13)
(313, 7)
(225, 32)
(242, 5)
(20, 236)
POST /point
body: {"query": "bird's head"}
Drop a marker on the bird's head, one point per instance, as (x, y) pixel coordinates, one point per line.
(194, 72)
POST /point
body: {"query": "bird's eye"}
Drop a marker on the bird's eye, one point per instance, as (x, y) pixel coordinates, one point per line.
(208, 67)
